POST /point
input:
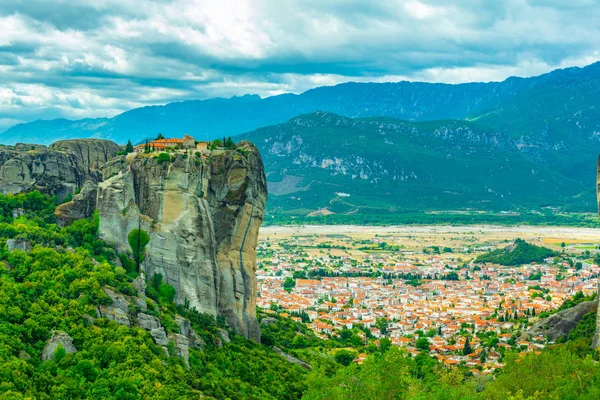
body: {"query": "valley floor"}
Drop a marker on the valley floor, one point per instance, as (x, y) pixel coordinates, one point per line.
(410, 282)
(523, 232)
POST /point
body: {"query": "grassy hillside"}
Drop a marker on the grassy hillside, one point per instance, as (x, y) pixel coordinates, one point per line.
(518, 253)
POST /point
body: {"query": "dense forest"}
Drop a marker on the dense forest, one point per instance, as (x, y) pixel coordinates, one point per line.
(57, 285)
(52, 278)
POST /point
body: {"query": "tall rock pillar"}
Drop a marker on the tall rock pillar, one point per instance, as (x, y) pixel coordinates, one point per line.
(202, 212)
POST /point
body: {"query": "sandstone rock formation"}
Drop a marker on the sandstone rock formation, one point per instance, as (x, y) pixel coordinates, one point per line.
(93, 153)
(132, 311)
(117, 311)
(18, 244)
(561, 323)
(48, 171)
(58, 170)
(58, 337)
(292, 359)
(82, 205)
(596, 338)
(203, 216)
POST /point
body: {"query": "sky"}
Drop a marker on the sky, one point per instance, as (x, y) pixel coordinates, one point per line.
(97, 58)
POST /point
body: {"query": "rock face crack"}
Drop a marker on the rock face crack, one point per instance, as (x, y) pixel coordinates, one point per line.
(247, 289)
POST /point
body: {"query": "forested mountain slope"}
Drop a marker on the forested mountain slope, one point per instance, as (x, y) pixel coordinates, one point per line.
(386, 166)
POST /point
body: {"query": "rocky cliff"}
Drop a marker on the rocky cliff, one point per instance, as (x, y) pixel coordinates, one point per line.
(92, 153)
(202, 213)
(560, 324)
(58, 170)
(596, 338)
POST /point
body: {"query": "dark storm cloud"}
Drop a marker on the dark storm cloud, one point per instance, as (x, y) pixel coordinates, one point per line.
(97, 58)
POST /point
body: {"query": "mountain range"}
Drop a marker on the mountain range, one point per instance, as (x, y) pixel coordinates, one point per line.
(415, 101)
(519, 143)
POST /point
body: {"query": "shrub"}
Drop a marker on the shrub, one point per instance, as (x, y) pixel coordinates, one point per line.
(345, 357)
(163, 158)
(59, 352)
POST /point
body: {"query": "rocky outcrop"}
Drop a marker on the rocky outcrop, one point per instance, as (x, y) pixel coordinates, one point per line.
(266, 321)
(6, 153)
(18, 244)
(48, 171)
(82, 206)
(203, 216)
(561, 323)
(185, 328)
(148, 322)
(181, 345)
(59, 170)
(596, 338)
(132, 311)
(93, 153)
(58, 337)
(115, 166)
(292, 359)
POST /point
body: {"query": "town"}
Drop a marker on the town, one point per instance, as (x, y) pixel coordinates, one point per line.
(419, 287)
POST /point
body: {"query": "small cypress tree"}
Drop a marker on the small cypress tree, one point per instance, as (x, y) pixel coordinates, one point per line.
(467, 349)
(482, 356)
(129, 146)
(138, 239)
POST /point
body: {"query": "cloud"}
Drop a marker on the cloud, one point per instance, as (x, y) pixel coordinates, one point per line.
(60, 58)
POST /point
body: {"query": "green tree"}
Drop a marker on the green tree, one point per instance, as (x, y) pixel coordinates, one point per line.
(138, 239)
(467, 349)
(382, 324)
(422, 343)
(163, 158)
(384, 345)
(288, 284)
(482, 356)
(344, 357)
(59, 352)
(129, 147)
